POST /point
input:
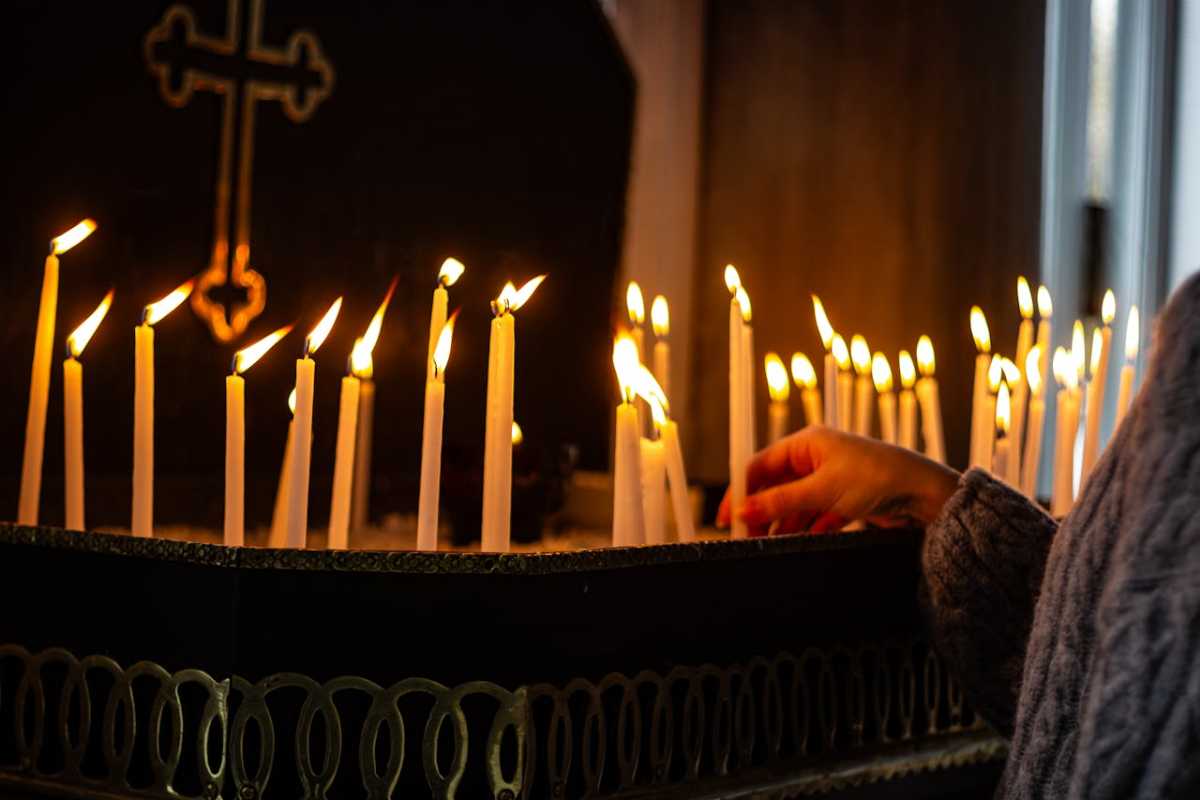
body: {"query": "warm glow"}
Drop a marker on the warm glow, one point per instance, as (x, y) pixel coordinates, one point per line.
(657, 413)
(634, 303)
(925, 360)
(743, 301)
(732, 279)
(908, 370)
(156, 311)
(802, 372)
(1033, 370)
(860, 355)
(1131, 333)
(1078, 353)
(316, 337)
(452, 269)
(83, 334)
(1108, 307)
(1064, 369)
(518, 435)
(1045, 307)
(823, 326)
(778, 385)
(1097, 346)
(625, 361)
(979, 330)
(441, 350)
(881, 371)
(361, 363)
(292, 401)
(65, 241)
(512, 298)
(245, 358)
(1003, 413)
(660, 316)
(1012, 373)
(995, 373)
(841, 353)
(646, 386)
(1024, 298)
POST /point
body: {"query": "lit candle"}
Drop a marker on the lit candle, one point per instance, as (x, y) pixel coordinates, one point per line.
(360, 500)
(845, 382)
(739, 374)
(685, 527)
(1125, 393)
(518, 435)
(881, 371)
(1037, 419)
(278, 535)
(143, 408)
(931, 403)
(1078, 356)
(987, 409)
(907, 435)
(1064, 440)
(306, 370)
(235, 436)
(830, 371)
(654, 486)
(1002, 452)
(660, 320)
(749, 385)
(73, 413)
(497, 456)
(1045, 307)
(805, 378)
(779, 391)
(860, 357)
(1020, 389)
(452, 269)
(628, 513)
(431, 442)
(1012, 464)
(981, 420)
(39, 379)
(1101, 345)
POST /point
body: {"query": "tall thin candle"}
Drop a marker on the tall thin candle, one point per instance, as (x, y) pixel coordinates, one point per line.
(860, 357)
(907, 433)
(845, 383)
(1101, 347)
(1032, 453)
(362, 364)
(1045, 307)
(930, 400)
(73, 414)
(829, 373)
(1016, 405)
(739, 373)
(451, 270)
(805, 378)
(660, 320)
(981, 421)
(881, 371)
(1125, 393)
(429, 497)
(278, 534)
(987, 434)
(1065, 374)
(1002, 453)
(780, 391)
(1020, 389)
(628, 518)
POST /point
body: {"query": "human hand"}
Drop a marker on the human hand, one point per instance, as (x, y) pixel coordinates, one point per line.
(818, 479)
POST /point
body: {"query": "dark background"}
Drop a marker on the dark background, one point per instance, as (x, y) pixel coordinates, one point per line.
(496, 132)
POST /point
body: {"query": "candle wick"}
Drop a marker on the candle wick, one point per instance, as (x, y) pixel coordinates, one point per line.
(53, 247)
(233, 365)
(145, 315)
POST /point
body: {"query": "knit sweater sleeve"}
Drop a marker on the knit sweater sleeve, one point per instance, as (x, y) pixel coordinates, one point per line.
(983, 560)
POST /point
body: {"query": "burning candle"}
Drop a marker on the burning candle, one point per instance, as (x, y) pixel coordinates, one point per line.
(660, 320)
(278, 535)
(740, 446)
(860, 357)
(1101, 345)
(981, 418)
(73, 413)
(431, 442)
(451, 270)
(39, 379)
(1012, 377)
(654, 482)
(1020, 389)
(779, 391)
(235, 436)
(497, 456)
(1045, 309)
(805, 378)
(628, 513)
(306, 372)
(830, 371)
(845, 383)
(143, 408)
(995, 375)
(1125, 393)
(365, 372)
(1066, 376)
(1002, 452)
(685, 527)
(907, 435)
(1034, 427)
(881, 371)
(1078, 356)
(635, 306)
(931, 404)
(518, 435)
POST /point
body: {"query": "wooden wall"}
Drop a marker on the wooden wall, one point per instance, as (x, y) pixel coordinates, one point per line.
(881, 153)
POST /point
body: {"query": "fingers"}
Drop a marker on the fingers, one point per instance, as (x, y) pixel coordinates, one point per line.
(777, 502)
(723, 515)
(789, 458)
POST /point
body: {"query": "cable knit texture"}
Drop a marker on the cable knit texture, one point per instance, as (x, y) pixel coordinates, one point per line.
(1083, 643)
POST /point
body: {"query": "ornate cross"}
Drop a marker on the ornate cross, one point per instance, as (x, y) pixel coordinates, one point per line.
(242, 70)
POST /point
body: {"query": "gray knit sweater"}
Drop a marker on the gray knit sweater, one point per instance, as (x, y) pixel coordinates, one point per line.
(1082, 640)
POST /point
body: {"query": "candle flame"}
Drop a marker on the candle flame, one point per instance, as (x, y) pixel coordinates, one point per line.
(245, 358)
(317, 335)
(1108, 307)
(778, 386)
(908, 370)
(80, 337)
(1078, 351)
(634, 304)
(881, 372)
(625, 361)
(512, 298)
(441, 351)
(361, 363)
(65, 241)
(292, 400)
(860, 354)
(995, 373)
(979, 330)
(657, 413)
(841, 354)
(1024, 298)
(1012, 373)
(1132, 332)
(647, 387)
(1003, 412)
(660, 316)
(925, 359)
(823, 326)
(1045, 307)
(452, 269)
(518, 435)
(803, 373)
(1064, 369)
(1033, 371)
(743, 301)
(155, 312)
(1097, 346)
(732, 279)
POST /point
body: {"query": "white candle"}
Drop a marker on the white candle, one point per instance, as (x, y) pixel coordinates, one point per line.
(1125, 393)
(343, 465)
(987, 434)
(360, 501)
(1064, 440)
(1002, 453)
(1012, 465)
(881, 371)
(860, 357)
(1044, 330)
(749, 385)
(73, 414)
(297, 515)
(1032, 453)
(685, 528)
(830, 370)
(1101, 346)
(931, 404)
(845, 384)
(907, 434)
(980, 416)
(660, 320)
(779, 390)
(278, 534)
(143, 409)
(739, 374)
(635, 305)
(1078, 356)
(451, 270)
(628, 511)
(1020, 389)
(39, 379)
(654, 490)
(429, 498)
(805, 378)
(497, 456)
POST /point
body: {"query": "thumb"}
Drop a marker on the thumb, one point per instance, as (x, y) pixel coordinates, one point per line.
(806, 495)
